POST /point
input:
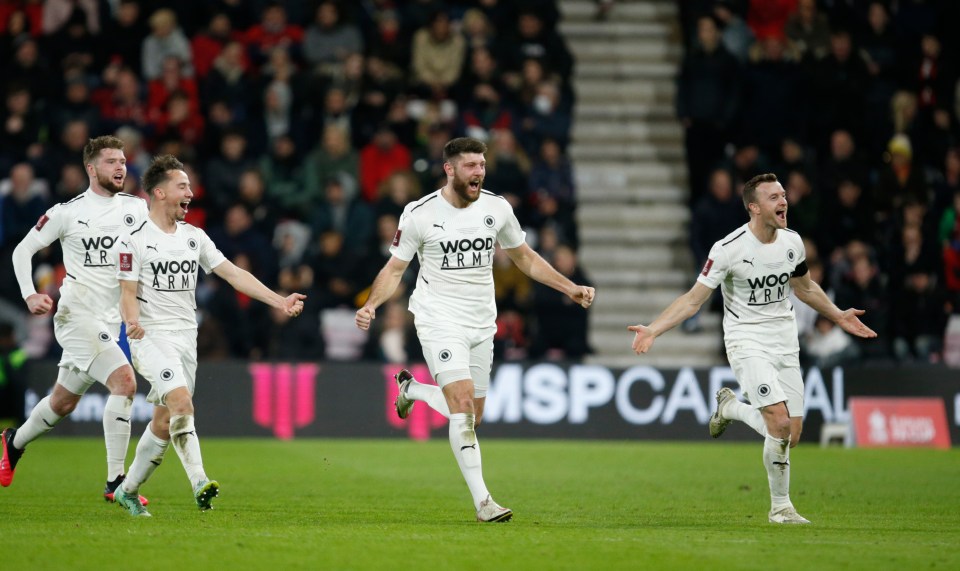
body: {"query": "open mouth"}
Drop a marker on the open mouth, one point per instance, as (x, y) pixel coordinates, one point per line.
(782, 215)
(185, 205)
(475, 184)
(118, 178)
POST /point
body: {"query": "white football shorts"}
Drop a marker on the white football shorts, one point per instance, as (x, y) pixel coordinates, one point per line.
(167, 359)
(767, 379)
(457, 353)
(90, 351)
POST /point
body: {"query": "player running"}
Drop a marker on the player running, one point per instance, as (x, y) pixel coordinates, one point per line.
(87, 322)
(757, 266)
(158, 270)
(453, 231)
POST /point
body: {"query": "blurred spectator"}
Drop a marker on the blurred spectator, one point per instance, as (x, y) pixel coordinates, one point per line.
(75, 44)
(295, 339)
(546, 117)
(562, 325)
(795, 157)
(337, 271)
(845, 162)
(334, 158)
(708, 97)
(437, 56)
(768, 18)
(552, 190)
(287, 184)
(395, 340)
(172, 81)
(716, 214)
(207, 45)
(388, 40)
(352, 218)
(121, 102)
(537, 40)
(399, 189)
(273, 31)
(484, 111)
(933, 75)
(917, 304)
(804, 210)
(878, 48)
(946, 187)
(229, 81)
(71, 182)
(379, 159)
(808, 29)
(21, 125)
(428, 159)
(513, 292)
(839, 82)
(224, 170)
(847, 218)
(735, 34)
(67, 148)
(244, 323)
(773, 103)
(124, 36)
(75, 106)
(899, 180)
(477, 30)
(165, 40)
(329, 40)
(827, 346)
(863, 288)
(508, 171)
(237, 237)
(252, 195)
(23, 204)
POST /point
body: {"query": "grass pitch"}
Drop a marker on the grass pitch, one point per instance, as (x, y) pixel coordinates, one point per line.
(358, 504)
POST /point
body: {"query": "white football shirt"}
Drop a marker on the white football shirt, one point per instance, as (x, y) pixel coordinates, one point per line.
(166, 267)
(455, 247)
(755, 280)
(89, 228)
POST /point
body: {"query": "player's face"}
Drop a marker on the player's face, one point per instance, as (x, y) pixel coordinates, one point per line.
(772, 200)
(110, 170)
(176, 194)
(468, 172)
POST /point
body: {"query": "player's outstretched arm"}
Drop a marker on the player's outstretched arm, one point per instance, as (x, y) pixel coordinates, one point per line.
(244, 282)
(810, 293)
(130, 309)
(682, 308)
(532, 264)
(382, 288)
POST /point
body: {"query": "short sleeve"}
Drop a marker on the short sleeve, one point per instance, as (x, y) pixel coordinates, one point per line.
(800, 267)
(715, 268)
(210, 256)
(128, 260)
(49, 227)
(510, 235)
(406, 242)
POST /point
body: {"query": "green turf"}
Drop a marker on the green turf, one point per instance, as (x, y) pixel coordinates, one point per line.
(356, 504)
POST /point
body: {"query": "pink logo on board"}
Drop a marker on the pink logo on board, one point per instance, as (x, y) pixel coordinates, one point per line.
(283, 396)
(422, 419)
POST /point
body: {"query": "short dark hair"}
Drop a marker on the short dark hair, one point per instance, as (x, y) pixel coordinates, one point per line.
(750, 189)
(461, 145)
(93, 147)
(158, 172)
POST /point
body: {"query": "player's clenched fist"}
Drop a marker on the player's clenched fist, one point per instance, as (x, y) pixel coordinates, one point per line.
(583, 295)
(293, 304)
(135, 330)
(39, 303)
(364, 316)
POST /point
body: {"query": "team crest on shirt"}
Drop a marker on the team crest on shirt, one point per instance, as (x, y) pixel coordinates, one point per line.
(129, 220)
(104, 336)
(166, 375)
(489, 221)
(445, 355)
(791, 256)
(192, 244)
(763, 390)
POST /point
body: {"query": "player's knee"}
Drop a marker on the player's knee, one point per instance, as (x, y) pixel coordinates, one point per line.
(122, 383)
(794, 439)
(64, 405)
(179, 402)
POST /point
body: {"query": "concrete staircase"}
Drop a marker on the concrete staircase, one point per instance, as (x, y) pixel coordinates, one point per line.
(631, 179)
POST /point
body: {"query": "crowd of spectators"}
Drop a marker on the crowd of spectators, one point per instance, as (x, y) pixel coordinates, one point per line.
(305, 127)
(853, 105)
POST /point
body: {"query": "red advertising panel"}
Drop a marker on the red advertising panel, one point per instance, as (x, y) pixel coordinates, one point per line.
(889, 422)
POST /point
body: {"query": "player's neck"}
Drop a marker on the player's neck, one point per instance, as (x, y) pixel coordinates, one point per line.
(448, 194)
(765, 233)
(99, 191)
(163, 221)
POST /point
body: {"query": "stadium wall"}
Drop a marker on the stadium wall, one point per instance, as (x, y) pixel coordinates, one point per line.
(537, 400)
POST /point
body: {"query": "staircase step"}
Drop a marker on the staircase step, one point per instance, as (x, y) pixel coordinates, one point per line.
(586, 110)
(655, 359)
(613, 321)
(590, 193)
(674, 343)
(630, 215)
(627, 70)
(626, 50)
(639, 278)
(602, 256)
(637, 173)
(611, 130)
(611, 30)
(597, 234)
(595, 90)
(573, 10)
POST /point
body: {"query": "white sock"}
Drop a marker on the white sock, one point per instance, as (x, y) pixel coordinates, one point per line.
(116, 433)
(463, 441)
(746, 414)
(185, 442)
(41, 421)
(430, 394)
(150, 450)
(776, 459)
